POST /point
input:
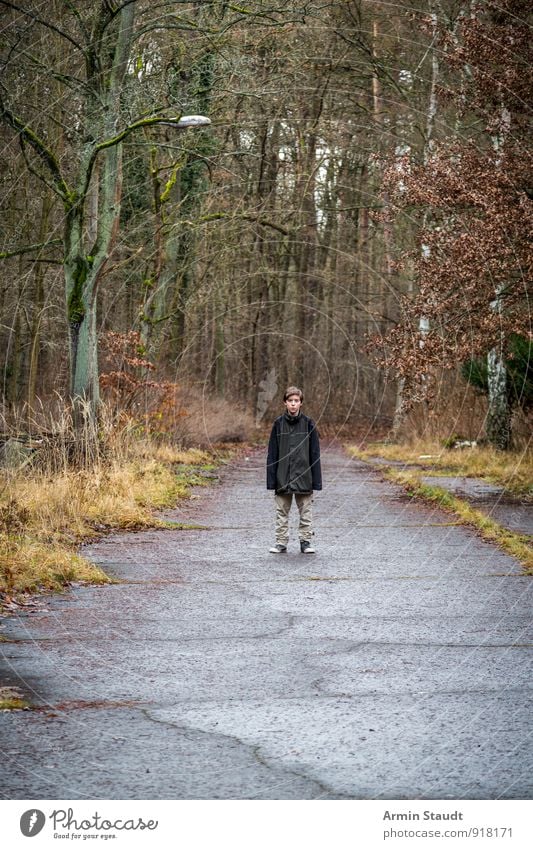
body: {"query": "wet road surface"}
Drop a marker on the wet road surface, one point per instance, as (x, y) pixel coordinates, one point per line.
(394, 663)
(513, 513)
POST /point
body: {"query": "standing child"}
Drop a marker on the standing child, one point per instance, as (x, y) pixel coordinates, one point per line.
(293, 468)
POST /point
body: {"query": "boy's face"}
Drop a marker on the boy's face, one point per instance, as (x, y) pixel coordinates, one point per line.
(293, 404)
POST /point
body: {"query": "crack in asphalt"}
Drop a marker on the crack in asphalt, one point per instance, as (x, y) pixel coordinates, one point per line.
(326, 790)
(304, 671)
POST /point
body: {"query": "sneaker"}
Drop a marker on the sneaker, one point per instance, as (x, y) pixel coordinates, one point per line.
(306, 547)
(278, 549)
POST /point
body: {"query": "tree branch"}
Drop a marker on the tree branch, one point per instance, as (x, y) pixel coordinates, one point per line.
(220, 216)
(72, 82)
(29, 248)
(32, 170)
(79, 18)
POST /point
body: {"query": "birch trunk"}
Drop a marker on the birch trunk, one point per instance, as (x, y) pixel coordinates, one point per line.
(498, 421)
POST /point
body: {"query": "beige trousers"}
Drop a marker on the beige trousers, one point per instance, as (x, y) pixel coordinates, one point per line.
(283, 506)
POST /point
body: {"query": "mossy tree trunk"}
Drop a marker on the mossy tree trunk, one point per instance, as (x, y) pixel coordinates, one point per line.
(88, 245)
(91, 193)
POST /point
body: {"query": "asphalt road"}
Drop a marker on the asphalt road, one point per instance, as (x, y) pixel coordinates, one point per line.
(394, 663)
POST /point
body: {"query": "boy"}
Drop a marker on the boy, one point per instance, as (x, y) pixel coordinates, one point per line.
(293, 468)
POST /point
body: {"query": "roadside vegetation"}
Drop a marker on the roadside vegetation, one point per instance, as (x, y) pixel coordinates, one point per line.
(46, 514)
(12, 699)
(516, 545)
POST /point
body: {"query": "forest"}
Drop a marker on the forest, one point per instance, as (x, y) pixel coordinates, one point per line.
(205, 201)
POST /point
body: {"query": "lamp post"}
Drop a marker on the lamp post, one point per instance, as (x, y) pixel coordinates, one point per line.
(83, 271)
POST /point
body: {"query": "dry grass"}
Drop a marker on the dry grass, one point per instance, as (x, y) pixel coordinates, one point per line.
(31, 565)
(171, 454)
(514, 544)
(511, 469)
(12, 699)
(44, 517)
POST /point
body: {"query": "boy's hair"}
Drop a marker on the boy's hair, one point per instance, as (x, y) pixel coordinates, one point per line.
(293, 390)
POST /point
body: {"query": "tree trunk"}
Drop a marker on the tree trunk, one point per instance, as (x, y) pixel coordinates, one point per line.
(431, 114)
(38, 305)
(498, 422)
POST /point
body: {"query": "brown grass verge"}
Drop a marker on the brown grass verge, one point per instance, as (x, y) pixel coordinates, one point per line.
(511, 469)
(44, 517)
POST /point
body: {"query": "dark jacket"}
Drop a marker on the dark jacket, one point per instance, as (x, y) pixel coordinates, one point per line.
(293, 460)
